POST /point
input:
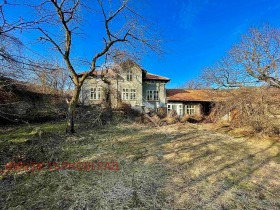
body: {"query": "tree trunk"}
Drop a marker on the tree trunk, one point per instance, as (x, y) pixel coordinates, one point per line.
(71, 110)
(70, 119)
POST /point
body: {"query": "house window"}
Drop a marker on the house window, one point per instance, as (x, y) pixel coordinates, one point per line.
(129, 94)
(129, 75)
(169, 107)
(151, 82)
(190, 109)
(132, 94)
(156, 95)
(152, 95)
(95, 93)
(176, 107)
(180, 110)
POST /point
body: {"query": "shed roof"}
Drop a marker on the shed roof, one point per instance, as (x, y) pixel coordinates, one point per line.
(203, 95)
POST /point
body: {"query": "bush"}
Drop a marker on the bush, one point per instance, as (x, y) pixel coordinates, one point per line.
(129, 112)
(251, 107)
(192, 118)
(171, 118)
(94, 116)
(161, 112)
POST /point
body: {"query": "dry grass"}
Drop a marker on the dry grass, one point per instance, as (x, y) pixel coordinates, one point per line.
(215, 171)
(179, 166)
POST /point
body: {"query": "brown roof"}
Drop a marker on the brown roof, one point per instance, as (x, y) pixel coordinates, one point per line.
(149, 76)
(205, 95)
(211, 95)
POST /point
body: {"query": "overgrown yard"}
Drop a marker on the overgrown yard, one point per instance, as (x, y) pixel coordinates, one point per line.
(180, 166)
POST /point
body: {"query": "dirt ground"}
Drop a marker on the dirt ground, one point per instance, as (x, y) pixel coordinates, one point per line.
(181, 166)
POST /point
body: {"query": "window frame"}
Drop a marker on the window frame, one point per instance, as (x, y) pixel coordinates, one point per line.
(180, 109)
(177, 107)
(129, 75)
(190, 109)
(129, 94)
(95, 93)
(169, 107)
(152, 95)
(151, 81)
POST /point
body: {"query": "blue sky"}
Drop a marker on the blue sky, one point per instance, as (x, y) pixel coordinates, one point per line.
(199, 32)
(196, 33)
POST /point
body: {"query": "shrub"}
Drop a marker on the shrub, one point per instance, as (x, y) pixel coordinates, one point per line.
(192, 118)
(171, 118)
(251, 107)
(161, 112)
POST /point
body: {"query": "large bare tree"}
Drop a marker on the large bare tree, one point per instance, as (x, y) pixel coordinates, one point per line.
(259, 54)
(226, 73)
(12, 59)
(8, 43)
(122, 24)
(255, 59)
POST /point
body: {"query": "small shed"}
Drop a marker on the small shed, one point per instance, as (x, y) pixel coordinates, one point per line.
(192, 101)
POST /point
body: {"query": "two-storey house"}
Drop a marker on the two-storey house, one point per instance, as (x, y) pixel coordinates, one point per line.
(125, 83)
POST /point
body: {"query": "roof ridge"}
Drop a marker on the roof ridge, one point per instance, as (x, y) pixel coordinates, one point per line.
(157, 75)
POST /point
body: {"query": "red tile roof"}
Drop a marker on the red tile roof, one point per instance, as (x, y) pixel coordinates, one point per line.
(204, 95)
(149, 76)
(211, 95)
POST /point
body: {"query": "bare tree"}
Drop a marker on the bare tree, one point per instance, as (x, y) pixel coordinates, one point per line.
(259, 54)
(131, 33)
(226, 73)
(196, 83)
(57, 80)
(13, 62)
(255, 59)
(8, 45)
(19, 70)
(253, 107)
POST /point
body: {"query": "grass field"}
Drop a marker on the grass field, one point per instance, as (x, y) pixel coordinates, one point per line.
(180, 166)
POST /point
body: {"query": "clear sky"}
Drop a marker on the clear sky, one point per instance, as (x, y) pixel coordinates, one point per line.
(199, 32)
(196, 33)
